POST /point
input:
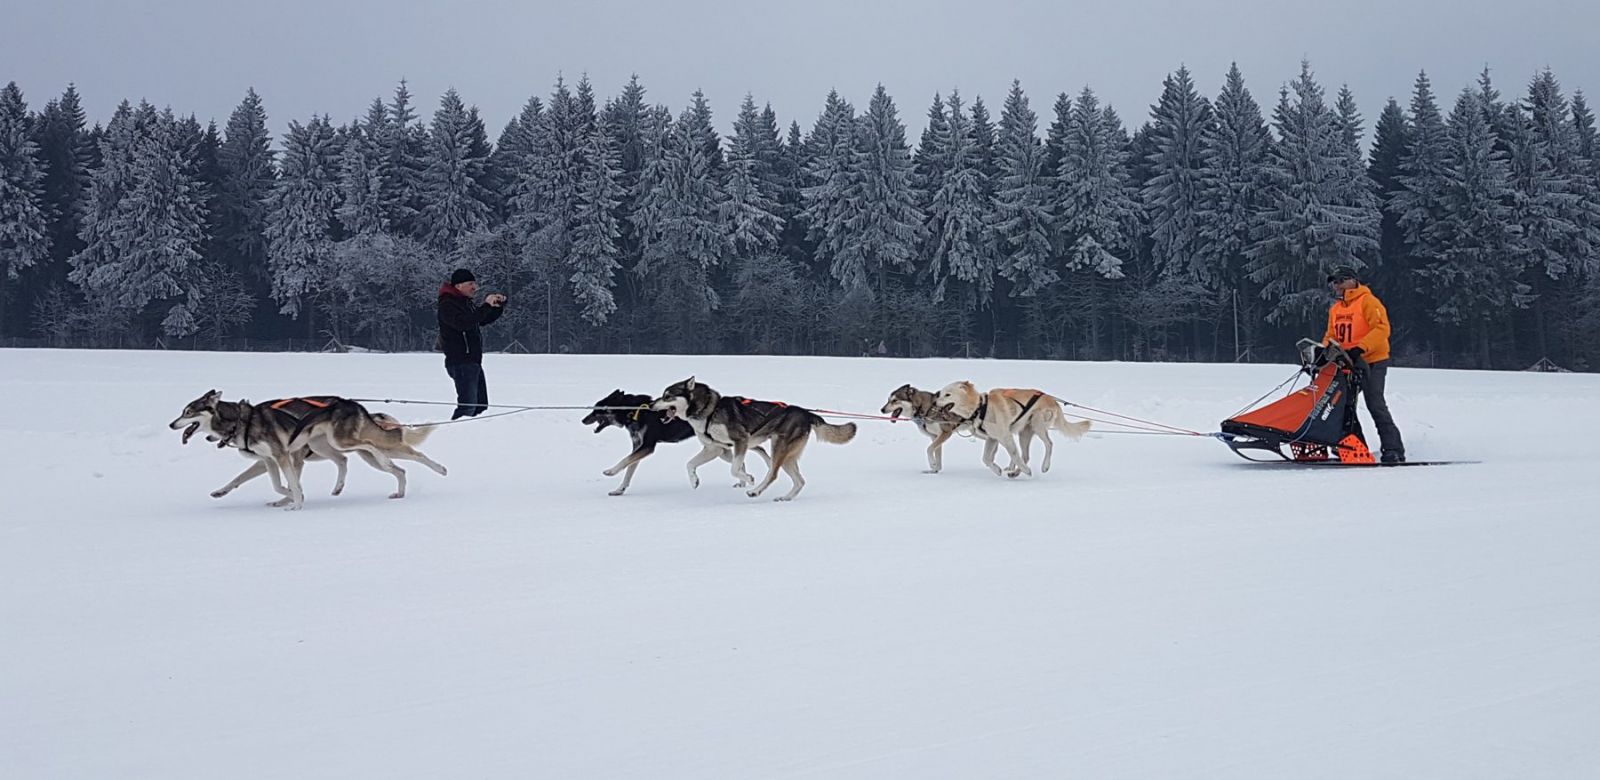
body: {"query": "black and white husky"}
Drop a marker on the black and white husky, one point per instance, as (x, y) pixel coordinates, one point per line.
(734, 425)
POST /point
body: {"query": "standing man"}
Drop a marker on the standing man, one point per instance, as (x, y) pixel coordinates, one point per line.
(1359, 323)
(461, 341)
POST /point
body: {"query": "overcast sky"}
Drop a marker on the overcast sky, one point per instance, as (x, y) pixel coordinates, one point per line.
(334, 56)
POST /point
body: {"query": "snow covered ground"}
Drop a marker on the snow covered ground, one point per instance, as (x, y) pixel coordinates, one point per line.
(1153, 607)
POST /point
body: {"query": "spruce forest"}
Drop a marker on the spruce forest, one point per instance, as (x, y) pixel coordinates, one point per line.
(1199, 230)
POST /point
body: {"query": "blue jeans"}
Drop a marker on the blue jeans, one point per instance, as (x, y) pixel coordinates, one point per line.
(472, 392)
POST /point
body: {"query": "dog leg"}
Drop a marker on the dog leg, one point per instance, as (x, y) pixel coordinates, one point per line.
(989, 447)
(765, 458)
(1049, 450)
(383, 463)
(377, 459)
(792, 468)
(627, 479)
(708, 453)
(936, 452)
(407, 452)
(632, 459)
(291, 473)
(631, 463)
(255, 470)
(1017, 466)
(781, 453)
(746, 479)
(276, 475)
(325, 448)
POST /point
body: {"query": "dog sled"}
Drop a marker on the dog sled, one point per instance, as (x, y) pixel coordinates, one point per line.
(1313, 426)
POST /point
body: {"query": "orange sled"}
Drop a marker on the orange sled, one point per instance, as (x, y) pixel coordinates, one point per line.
(1316, 423)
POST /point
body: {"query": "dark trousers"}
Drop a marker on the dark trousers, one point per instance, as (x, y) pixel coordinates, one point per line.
(472, 392)
(1373, 380)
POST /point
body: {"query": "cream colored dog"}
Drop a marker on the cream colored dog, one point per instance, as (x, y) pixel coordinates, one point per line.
(1003, 415)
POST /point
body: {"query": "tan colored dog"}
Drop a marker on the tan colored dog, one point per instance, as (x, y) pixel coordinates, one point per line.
(1003, 415)
(935, 422)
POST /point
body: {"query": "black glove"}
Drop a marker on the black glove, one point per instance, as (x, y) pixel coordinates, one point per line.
(1358, 365)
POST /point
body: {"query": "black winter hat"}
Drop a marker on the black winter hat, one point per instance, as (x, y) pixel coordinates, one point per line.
(462, 275)
(1342, 273)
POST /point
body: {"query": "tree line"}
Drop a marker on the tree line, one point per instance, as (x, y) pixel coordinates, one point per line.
(1204, 233)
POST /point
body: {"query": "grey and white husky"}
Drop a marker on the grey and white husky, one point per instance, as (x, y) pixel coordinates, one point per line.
(935, 421)
(733, 425)
(281, 435)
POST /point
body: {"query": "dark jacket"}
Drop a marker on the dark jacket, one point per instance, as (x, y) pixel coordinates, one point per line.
(459, 320)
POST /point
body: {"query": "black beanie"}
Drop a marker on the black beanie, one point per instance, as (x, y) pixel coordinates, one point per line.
(462, 275)
(1342, 273)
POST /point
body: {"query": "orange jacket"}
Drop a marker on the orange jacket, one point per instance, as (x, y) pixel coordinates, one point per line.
(1360, 321)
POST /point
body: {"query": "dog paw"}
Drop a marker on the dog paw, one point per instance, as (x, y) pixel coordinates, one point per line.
(280, 502)
(616, 492)
(218, 493)
(609, 472)
(930, 471)
(338, 490)
(397, 495)
(444, 472)
(784, 498)
(753, 493)
(694, 482)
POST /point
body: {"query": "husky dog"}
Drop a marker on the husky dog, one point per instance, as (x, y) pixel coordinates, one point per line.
(648, 428)
(227, 427)
(282, 435)
(1001, 415)
(734, 425)
(936, 422)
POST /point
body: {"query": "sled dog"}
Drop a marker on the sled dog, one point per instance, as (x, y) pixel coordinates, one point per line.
(735, 425)
(1002, 415)
(923, 408)
(646, 426)
(280, 436)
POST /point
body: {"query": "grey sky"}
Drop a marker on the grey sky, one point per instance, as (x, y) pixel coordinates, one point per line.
(334, 56)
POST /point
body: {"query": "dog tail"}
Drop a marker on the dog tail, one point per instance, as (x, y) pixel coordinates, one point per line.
(415, 435)
(1072, 430)
(833, 433)
(412, 435)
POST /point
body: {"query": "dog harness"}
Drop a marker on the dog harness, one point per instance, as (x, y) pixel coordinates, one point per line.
(279, 404)
(977, 417)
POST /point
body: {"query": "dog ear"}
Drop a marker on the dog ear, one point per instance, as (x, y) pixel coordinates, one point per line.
(688, 384)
